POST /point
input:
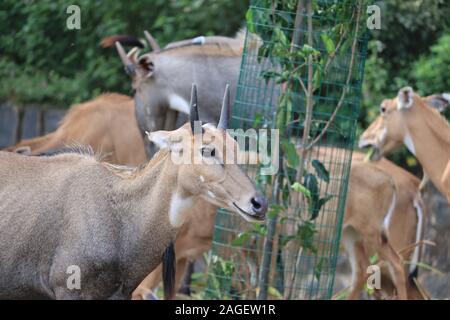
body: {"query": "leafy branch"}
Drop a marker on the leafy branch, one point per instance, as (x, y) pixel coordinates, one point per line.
(347, 82)
(299, 70)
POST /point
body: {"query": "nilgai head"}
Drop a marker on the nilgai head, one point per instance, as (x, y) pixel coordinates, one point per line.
(207, 158)
(139, 68)
(391, 128)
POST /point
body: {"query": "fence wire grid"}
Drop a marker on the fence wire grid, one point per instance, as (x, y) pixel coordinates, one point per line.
(304, 219)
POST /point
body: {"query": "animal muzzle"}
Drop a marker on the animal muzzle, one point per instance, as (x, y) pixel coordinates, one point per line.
(253, 211)
(365, 143)
(375, 153)
(259, 206)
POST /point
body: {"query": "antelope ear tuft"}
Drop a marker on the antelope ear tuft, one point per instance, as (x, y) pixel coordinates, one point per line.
(167, 139)
(405, 98)
(146, 65)
(133, 55)
(438, 101)
(159, 138)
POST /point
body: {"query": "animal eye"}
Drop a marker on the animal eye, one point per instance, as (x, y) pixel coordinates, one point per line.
(382, 109)
(208, 152)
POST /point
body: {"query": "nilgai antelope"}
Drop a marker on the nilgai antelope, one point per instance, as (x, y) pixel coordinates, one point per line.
(404, 228)
(109, 222)
(98, 124)
(193, 240)
(407, 120)
(161, 79)
(365, 234)
(380, 198)
(131, 62)
(107, 124)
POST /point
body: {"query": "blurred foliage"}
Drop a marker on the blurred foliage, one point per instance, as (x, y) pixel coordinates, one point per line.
(412, 48)
(432, 71)
(43, 62)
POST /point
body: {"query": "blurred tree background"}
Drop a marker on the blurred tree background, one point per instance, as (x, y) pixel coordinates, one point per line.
(43, 62)
(412, 48)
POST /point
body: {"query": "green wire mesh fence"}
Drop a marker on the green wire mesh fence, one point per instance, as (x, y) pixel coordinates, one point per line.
(301, 74)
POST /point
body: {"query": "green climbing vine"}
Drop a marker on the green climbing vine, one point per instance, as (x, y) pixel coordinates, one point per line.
(300, 52)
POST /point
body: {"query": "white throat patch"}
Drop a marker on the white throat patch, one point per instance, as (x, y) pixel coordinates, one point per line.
(179, 207)
(407, 140)
(177, 103)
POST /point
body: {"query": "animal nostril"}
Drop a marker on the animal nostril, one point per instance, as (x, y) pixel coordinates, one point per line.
(260, 205)
(255, 203)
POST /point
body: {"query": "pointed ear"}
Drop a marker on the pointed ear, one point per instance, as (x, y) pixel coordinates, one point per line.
(405, 98)
(438, 101)
(133, 55)
(146, 65)
(172, 140)
(160, 138)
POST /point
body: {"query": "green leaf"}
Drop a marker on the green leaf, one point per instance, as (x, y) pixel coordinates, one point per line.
(260, 229)
(285, 16)
(318, 269)
(308, 50)
(285, 240)
(311, 184)
(291, 154)
(270, 74)
(328, 43)
(318, 205)
(369, 154)
(317, 79)
(274, 293)
(373, 259)
(274, 210)
(302, 189)
(249, 18)
(240, 239)
(322, 172)
(313, 187)
(305, 234)
(281, 117)
(280, 37)
(258, 120)
(284, 219)
(291, 172)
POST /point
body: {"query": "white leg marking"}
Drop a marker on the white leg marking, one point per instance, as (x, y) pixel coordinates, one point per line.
(349, 240)
(415, 258)
(387, 219)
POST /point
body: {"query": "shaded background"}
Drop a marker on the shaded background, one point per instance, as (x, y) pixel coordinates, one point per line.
(43, 62)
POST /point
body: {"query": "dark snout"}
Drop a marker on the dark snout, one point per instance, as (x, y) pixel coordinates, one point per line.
(374, 150)
(259, 206)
